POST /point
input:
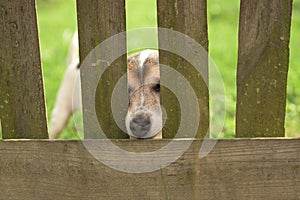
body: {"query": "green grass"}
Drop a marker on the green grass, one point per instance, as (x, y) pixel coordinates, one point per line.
(223, 41)
(57, 22)
(293, 98)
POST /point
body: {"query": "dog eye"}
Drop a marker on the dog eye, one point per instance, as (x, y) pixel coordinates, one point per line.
(130, 90)
(156, 88)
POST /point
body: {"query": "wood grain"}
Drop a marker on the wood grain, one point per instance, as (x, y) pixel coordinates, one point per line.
(264, 36)
(190, 18)
(98, 20)
(22, 102)
(234, 169)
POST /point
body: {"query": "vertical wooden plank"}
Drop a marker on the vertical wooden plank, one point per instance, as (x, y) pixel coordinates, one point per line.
(190, 18)
(264, 36)
(22, 103)
(98, 20)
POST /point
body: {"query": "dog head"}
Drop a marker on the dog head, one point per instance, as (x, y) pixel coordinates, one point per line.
(144, 116)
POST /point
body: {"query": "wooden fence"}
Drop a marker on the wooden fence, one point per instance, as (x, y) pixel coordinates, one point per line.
(235, 169)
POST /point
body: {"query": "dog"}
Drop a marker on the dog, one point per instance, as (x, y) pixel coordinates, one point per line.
(144, 115)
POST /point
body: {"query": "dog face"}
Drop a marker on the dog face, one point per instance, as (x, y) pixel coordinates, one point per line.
(144, 116)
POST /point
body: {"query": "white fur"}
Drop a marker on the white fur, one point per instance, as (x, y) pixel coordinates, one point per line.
(69, 92)
(68, 98)
(144, 55)
(73, 53)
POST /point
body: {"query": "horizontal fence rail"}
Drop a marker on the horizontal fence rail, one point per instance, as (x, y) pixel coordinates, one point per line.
(234, 169)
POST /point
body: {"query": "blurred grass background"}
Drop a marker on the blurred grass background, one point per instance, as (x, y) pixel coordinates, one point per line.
(57, 23)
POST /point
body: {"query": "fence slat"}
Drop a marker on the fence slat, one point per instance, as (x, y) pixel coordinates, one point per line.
(22, 102)
(188, 17)
(234, 169)
(97, 21)
(264, 36)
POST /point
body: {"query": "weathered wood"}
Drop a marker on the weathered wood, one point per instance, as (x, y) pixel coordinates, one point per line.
(264, 36)
(234, 169)
(98, 20)
(22, 103)
(188, 17)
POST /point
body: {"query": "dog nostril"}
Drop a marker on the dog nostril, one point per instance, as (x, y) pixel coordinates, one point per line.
(145, 129)
(141, 121)
(140, 125)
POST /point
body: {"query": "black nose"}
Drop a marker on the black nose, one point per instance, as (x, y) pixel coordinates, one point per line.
(140, 125)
